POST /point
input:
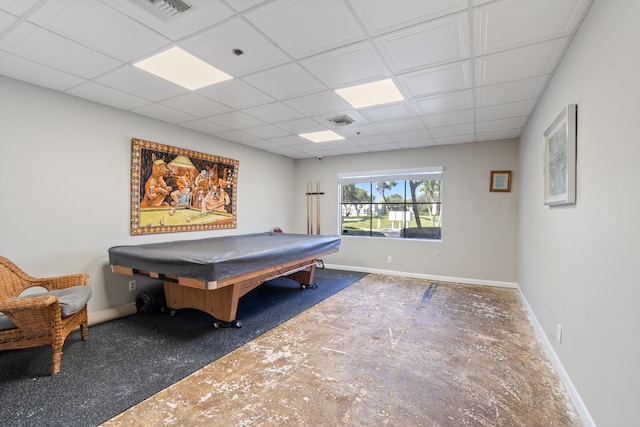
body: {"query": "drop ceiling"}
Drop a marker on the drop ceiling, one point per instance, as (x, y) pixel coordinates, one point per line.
(469, 70)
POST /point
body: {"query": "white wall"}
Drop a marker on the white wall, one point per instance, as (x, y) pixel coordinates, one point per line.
(578, 264)
(479, 228)
(65, 180)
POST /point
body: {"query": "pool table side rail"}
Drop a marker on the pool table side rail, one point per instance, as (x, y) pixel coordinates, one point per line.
(256, 277)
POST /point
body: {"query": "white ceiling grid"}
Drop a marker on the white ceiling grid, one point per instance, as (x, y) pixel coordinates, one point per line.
(470, 70)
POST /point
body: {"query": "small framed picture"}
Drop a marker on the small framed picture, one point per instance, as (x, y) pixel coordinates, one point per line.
(500, 181)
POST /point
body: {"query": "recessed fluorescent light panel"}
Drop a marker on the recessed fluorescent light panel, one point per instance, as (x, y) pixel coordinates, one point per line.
(323, 136)
(370, 94)
(183, 69)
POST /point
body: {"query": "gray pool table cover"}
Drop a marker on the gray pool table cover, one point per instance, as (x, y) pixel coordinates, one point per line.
(218, 258)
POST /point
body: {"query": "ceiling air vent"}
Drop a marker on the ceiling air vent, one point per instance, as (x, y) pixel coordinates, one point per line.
(165, 8)
(342, 121)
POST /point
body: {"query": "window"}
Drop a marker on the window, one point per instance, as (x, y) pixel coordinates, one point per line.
(398, 204)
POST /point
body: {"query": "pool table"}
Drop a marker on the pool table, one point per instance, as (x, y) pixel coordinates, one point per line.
(212, 274)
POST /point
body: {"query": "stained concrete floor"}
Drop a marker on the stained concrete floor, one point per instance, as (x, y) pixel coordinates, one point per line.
(385, 351)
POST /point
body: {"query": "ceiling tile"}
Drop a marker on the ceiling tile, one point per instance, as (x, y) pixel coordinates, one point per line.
(274, 113)
(518, 90)
(288, 152)
(205, 126)
(520, 63)
(367, 141)
(426, 45)
(107, 96)
(197, 105)
(416, 144)
(411, 135)
(291, 141)
(493, 136)
(306, 27)
(446, 78)
(236, 94)
(285, 82)
(504, 111)
(448, 119)
(502, 124)
(412, 123)
(203, 14)
(236, 120)
(350, 150)
(237, 136)
(452, 130)
(242, 5)
(267, 132)
(6, 20)
(357, 131)
(318, 103)
(44, 47)
(99, 27)
(388, 112)
(140, 83)
(351, 65)
(383, 147)
(382, 16)
(459, 139)
(32, 72)
(216, 46)
(17, 7)
(453, 101)
(301, 126)
(166, 114)
(508, 24)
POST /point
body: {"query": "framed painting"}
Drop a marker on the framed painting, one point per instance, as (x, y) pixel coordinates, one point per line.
(500, 181)
(560, 158)
(175, 190)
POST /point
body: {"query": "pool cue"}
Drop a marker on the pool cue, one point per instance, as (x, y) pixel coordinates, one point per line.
(308, 208)
(318, 207)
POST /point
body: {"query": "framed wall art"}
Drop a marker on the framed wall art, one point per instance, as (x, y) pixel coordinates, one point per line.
(560, 158)
(500, 181)
(175, 190)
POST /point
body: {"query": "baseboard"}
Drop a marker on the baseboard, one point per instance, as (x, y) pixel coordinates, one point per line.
(469, 281)
(112, 313)
(557, 365)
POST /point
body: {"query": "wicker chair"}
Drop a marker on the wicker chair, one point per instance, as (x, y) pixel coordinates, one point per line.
(38, 320)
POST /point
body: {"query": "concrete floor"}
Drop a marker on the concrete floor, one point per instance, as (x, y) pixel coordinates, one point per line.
(385, 351)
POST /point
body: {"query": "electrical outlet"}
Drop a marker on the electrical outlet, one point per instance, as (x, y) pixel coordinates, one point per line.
(559, 333)
(132, 285)
(389, 259)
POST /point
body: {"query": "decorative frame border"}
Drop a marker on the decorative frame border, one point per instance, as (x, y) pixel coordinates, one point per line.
(560, 158)
(176, 190)
(500, 181)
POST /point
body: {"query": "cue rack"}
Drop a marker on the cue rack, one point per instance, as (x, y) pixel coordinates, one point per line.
(310, 205)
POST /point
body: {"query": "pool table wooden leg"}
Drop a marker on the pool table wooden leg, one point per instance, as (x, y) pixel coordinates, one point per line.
(304, 277)
(220, 303)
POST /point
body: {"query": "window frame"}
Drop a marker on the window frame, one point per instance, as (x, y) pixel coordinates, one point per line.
(405, 175)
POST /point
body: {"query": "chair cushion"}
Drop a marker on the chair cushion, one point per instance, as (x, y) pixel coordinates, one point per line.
(5, 323)
(71, 299)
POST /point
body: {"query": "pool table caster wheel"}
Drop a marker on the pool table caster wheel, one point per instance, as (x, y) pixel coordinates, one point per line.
(221, 324)
(312, 286)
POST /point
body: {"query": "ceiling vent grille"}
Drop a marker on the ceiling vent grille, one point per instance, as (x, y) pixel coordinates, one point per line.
(342, 121)
(166, 8)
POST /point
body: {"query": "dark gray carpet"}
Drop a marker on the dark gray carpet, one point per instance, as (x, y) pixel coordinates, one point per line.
(127, 360)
